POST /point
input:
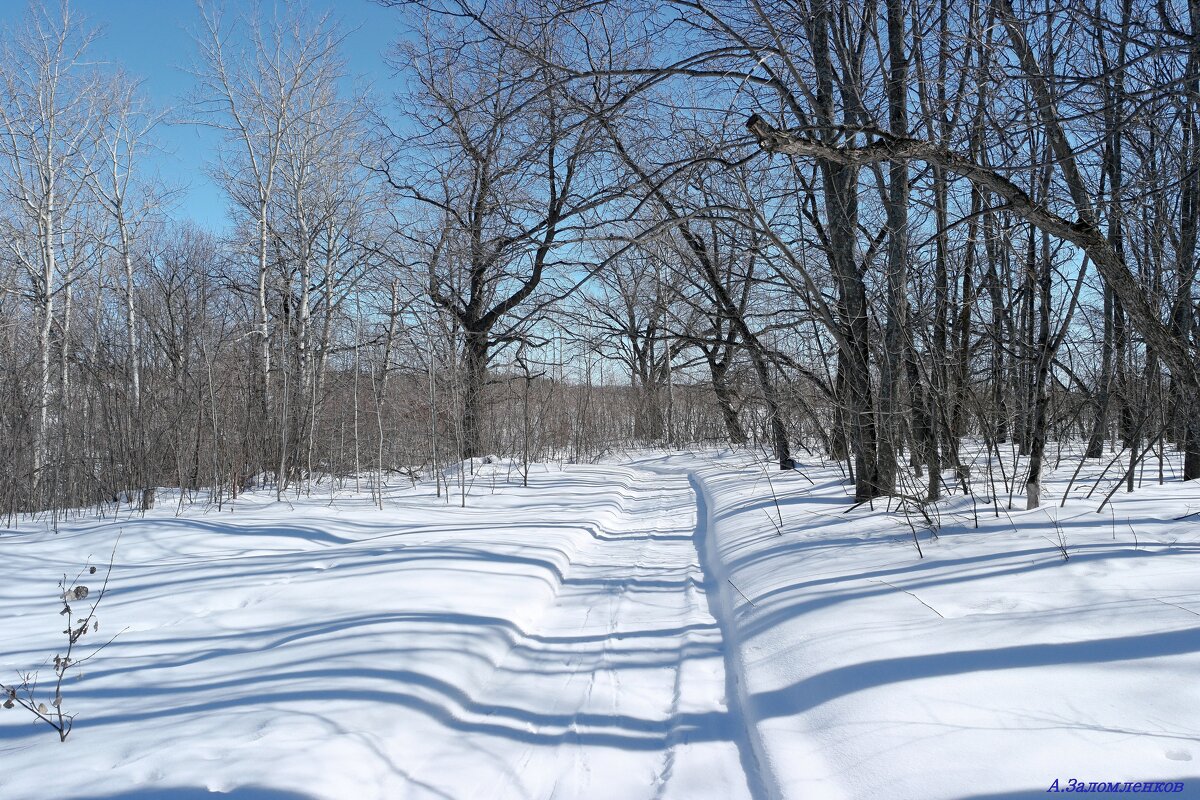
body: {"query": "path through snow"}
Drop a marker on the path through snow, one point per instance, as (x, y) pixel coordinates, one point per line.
(624, 671)
(555, 641)
(583, 638)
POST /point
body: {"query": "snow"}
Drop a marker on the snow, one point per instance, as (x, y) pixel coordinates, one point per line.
(988, 668)
(625, 630)
(553, 641)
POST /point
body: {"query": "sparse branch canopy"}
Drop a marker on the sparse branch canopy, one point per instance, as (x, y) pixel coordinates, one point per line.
(1083, 233)
(949, 226)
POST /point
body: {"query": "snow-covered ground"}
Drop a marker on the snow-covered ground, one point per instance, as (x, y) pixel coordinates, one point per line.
(642, 629)
(989, 668)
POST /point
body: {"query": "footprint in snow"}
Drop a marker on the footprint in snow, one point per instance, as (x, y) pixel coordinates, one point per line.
(1179, 755)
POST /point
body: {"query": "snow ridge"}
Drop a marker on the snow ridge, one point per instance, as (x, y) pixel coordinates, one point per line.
(755, 758)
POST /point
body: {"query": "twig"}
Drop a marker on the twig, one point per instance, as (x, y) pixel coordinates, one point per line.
(24, 694)
(739, 591)
(1060, 545)
(1172, 605)
(910, 594)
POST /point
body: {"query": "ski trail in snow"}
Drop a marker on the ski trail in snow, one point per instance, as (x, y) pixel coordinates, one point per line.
(750, 744)
(636, 706)
(556, 641)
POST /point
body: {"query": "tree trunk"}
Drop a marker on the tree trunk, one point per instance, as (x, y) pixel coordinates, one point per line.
(1187, 395)
(896, 202)
(719, 371)
(264, 342)
(475, 359)
(1037, 433)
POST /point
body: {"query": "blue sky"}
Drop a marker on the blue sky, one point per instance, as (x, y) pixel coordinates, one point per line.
(152, 39)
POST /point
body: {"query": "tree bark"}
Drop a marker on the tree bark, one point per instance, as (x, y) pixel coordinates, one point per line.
(896, 206)
(475, 360)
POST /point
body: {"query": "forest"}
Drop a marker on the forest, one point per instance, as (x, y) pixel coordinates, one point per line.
(665, 399)
(908, 236)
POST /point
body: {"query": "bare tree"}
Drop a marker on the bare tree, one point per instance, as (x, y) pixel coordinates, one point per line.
(131, 202)
(508, 172)
(48, 116)
(251, 81)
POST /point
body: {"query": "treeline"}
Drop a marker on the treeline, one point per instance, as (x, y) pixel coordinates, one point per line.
(898, 234)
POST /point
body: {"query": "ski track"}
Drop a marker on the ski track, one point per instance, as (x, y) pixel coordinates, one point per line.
(635, 587)
(633, 631)
(551, 642)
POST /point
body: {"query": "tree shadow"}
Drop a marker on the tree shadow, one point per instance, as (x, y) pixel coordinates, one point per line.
(822, 687)
(795, 597)
(405, 658)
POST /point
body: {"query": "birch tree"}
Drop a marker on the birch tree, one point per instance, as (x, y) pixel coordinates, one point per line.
(48, 118)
